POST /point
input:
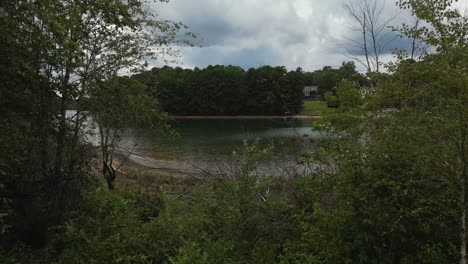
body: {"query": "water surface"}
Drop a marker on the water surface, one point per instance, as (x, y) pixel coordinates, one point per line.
(206, 144)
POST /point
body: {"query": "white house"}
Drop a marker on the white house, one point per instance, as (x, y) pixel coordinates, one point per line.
(311, 92)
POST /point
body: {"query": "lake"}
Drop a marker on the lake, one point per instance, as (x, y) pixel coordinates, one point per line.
(201, 144)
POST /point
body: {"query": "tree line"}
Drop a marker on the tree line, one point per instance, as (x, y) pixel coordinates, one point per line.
(230, 90)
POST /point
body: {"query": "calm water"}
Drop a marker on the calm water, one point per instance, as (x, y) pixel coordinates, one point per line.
(208, 143)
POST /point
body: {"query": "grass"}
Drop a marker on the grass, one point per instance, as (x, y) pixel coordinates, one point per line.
(315, 108)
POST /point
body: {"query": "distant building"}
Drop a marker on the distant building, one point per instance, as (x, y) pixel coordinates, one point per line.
(311, 93)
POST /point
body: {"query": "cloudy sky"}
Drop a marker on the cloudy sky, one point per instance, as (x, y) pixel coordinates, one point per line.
(251, 33)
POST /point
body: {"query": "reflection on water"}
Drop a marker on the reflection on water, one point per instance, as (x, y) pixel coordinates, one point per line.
(209, 144)
(205, 144)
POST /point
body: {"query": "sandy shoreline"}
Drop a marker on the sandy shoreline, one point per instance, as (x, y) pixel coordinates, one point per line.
(244, 117)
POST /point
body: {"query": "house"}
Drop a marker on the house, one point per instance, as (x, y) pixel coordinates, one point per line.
(311, 93)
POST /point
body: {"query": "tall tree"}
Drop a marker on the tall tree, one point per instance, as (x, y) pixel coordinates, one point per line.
(405, 147)
(448, 32)
(117, 105)
(52, 53)
(375, 35)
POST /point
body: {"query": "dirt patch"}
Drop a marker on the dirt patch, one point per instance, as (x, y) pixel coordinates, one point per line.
(244, 117)
(150, 179)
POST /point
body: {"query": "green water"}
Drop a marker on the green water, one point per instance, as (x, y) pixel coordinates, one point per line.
(202, 143)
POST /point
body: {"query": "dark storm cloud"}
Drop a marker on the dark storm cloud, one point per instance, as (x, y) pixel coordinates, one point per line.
(246, 58)
(249, 33)
(212, 31)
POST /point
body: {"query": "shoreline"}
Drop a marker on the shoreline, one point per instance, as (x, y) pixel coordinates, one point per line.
(243, 117)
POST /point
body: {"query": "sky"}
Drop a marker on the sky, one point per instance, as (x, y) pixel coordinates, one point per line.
(309, 34)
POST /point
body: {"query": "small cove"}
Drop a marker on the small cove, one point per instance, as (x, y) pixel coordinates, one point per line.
(208, 144)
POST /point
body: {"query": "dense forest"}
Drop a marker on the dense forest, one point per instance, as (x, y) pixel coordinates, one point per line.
(229, 90)
(387, 186)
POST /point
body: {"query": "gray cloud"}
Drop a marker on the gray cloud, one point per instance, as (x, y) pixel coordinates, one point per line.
(250, 33)
(244, 57)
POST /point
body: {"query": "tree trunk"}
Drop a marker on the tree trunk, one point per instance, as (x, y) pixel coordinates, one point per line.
(464, 185)
(366, 51)
(463, 224)
(74, 153)
(464, 201)
(62, 127)
(109, 174)
(110, 184)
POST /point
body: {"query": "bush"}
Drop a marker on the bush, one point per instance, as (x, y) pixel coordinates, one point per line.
(348, 95)
(332, 100)
(109, 228)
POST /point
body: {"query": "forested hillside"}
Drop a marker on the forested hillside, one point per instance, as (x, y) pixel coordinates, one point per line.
(230, 90)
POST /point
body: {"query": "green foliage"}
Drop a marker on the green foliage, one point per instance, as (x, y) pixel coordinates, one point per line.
(332, 100)
(192, 253)
(123, 102)
(320, 239)
(105, 230)
(228, 219)
(397, 173)
(110, 228)
(380, 197)
(328, 78)
(116, 105)
(53, 53)
(227, 90)
(345, 96)
(236, 218)
(348, 95)
(446, 27)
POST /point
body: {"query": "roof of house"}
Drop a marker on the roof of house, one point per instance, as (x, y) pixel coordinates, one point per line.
(311, 89)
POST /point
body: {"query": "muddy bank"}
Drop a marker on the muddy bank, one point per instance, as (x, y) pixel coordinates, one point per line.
(136, 163)
(150, 178)
(244, 117)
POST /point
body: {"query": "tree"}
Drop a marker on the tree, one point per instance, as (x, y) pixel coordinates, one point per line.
(418, 48)
(116, 105)
(347, 70)
(229, 90)
(291, 93)
(368, 14)
(328, 78)
(348, 95)
(52, 54)
(404, 146)
(448, 33)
